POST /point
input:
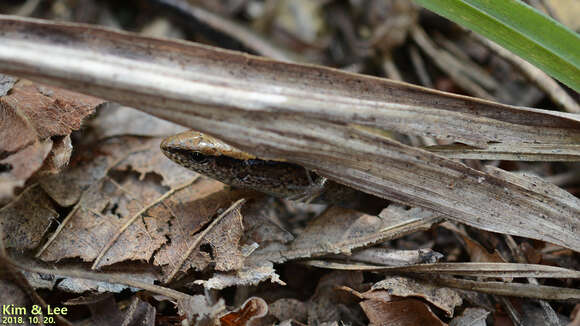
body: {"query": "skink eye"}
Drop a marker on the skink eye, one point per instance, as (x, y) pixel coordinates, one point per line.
(197, 157)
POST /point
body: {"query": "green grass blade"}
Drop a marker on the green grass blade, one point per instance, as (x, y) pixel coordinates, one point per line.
(521, 29)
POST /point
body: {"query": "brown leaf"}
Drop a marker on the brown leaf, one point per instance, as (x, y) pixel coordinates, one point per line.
(399, 313)
(121, 215)
(251, 310)
(259, 232)
(18, 167)
(193, 212)
(339, 230)
(103, 206)
(49, 111)
(478, 253)
(26, 219)
(59, 157)
(30, 114)
(108, 198)
(12, 294)
(443, 298)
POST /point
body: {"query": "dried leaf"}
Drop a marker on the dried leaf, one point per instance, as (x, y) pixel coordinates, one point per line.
(248, 275)
(575, 316)
(59, 156)
(49, 111)
(511, 289)
(478, 253)
(26, 219)
(30, 114)
(215, 243)
(139, 313)
(125, 216)
(13, 295)
(471, 317)
(104, 205)
(339, 230)
(443, 298)
(197, 309)
(18, 167)
(399, 313)
(251, 310)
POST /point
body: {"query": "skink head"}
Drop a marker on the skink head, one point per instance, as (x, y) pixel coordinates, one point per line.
(196, 142)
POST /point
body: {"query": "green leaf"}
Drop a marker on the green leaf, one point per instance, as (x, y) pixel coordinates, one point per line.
(521, 29)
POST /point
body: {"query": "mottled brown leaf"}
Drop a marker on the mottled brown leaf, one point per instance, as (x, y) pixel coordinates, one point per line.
(104, 204)
(194, 210)
(48, 110)
(443, 298)
(15, 169)
(339, 230)
(26, 219)
(30, 114)
(400, 313)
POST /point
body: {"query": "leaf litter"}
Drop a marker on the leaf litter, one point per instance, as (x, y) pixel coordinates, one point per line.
(117, 206)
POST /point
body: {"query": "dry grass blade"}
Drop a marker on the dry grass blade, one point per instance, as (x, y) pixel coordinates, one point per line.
(312, 115)
(466, 269)
(522, 152)
(479, 269)
(512, 289)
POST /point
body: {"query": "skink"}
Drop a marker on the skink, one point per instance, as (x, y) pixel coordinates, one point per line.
(220, 161)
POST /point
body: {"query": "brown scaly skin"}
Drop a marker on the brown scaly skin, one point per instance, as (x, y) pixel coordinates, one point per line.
(217, 160)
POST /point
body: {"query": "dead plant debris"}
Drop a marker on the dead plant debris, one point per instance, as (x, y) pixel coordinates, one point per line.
(96, 222)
